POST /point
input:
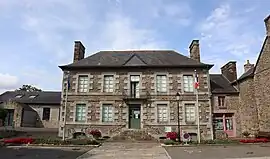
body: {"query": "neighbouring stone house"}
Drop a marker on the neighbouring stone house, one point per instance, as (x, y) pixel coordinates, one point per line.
(254, 90)
(117, 90)
(31, 109)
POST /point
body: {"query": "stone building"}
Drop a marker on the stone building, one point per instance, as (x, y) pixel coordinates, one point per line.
(31, 109)
(118, 90)
(254, 90)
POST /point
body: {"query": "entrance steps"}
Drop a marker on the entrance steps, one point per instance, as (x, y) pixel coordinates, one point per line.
(133, 135)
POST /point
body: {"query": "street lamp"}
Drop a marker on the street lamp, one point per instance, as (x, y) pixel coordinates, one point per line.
(178, 120)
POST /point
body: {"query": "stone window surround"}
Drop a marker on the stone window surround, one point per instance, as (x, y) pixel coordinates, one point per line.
(156, 103)
(224, 101)
(182, 82)
(77, 81)
(102, 83)
(184, 111)
(113, 111)
(155, 82)
(140, 83)
(43, 113)
(74, 111)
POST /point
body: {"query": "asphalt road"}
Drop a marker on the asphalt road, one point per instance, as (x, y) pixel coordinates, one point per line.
(41, 153)
(219, 152)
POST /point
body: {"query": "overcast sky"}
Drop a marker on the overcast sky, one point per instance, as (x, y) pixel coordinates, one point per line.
(37, 36)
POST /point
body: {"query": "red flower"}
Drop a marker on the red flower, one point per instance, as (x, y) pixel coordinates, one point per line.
(95, 133)
(171, 135)
(19, 141)
(257, 140)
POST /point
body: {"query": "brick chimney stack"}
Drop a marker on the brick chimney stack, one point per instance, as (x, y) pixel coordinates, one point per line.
(267, 25)
(79, 51)
(194, 50)
(229, 71)
(248, 66)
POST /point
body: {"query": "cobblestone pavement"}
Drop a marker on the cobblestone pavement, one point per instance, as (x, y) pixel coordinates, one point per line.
(221, 152)
(113, 150)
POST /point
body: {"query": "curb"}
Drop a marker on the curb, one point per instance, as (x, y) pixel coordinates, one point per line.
(238, 144)
(48, 146)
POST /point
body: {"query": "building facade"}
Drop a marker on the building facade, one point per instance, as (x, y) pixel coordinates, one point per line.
(31, 109)
(117, 90)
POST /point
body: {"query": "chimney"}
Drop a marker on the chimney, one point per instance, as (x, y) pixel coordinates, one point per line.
(248, 66)
(267, 25)
(194, 50)
(79, 51)
(229, 71)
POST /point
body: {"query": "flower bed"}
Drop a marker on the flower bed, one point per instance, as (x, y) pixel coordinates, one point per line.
(256, 140)
(171, 136)
(19, 141)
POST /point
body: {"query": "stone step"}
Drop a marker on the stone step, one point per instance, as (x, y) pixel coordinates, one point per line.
(133, 135)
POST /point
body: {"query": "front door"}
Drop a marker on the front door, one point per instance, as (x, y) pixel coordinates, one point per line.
(134, 116)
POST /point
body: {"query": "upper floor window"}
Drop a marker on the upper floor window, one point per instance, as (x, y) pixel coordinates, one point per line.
(162, 112)
(83, 83)
(188, 83)
(108, 83)
(161, 83)
(18, 96)
(46, 114)
(80, 112)
(221, 101)
(190, 113)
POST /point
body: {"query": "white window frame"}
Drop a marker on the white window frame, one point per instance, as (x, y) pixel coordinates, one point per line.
(160, 83)
(83, 113)
(162, 113)
(188, 83)
(105, 116)
(83, 87)
(108, 87)
(188, 114)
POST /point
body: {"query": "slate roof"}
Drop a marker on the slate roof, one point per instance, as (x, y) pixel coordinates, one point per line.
(142, 58)
(45, 97)
(219, 84)
(249, 73)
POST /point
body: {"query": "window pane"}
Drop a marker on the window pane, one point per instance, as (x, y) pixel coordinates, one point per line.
(80, 112)
(108, 83)
(162, 113)
(107, 113)
(190, 112)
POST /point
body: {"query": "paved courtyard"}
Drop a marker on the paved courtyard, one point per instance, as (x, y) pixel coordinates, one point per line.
(220, 152)
(113, 150)
(41, 153)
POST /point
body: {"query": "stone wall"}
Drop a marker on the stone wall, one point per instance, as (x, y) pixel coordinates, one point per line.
(248, 108)
(54, 116)
(262, 86)
(95, 97)
(231, 105)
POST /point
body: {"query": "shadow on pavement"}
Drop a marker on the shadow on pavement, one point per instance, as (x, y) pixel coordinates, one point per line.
(41, 153)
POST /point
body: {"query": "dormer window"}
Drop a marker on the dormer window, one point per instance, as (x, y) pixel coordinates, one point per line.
(32, 96)
(18, 96)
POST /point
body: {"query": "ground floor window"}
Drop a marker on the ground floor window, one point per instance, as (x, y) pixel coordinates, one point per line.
(80, 112)
(46, 114)
(223, 121)
(107, 113)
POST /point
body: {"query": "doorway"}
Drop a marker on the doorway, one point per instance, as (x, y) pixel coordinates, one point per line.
(135, 116)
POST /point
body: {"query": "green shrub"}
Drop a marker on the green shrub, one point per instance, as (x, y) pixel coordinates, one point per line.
(169, 142)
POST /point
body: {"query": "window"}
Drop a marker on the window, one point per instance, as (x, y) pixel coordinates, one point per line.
(221, 101)
(80, 112)
(18, 96)
(107, 113)
(228, 124)
(108, 83)
(83, 83)
(188, 83)
(32, 96)
(162, 110)
(218, 124)
(161, 83)
(46, 114)
(190, 112)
